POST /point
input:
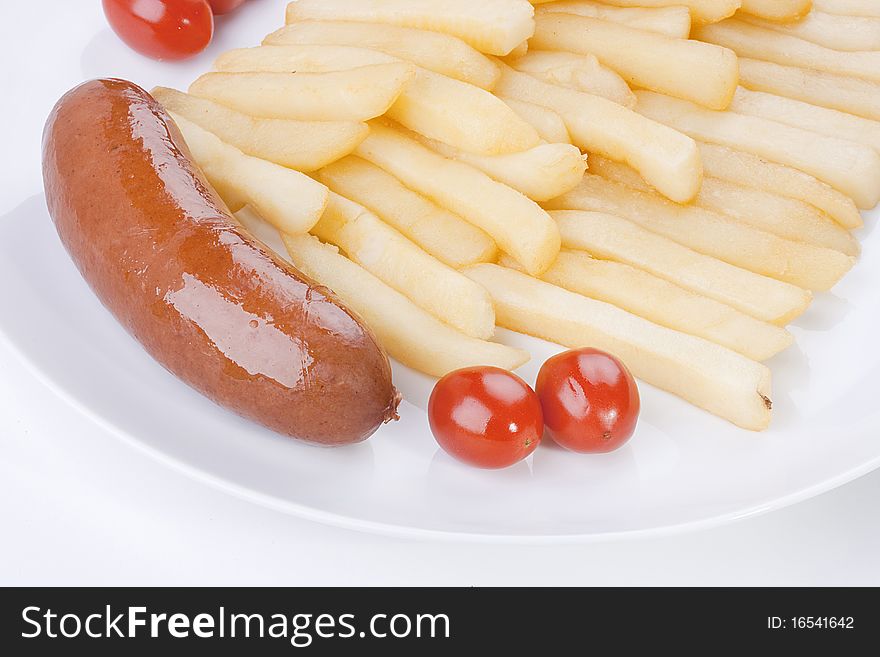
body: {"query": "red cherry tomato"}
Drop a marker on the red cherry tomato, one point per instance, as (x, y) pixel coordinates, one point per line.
(590, 400)
(224, 6)
(485, 416)
(162, 29)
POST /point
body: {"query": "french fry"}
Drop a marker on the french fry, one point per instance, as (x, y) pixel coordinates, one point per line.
(435, 105)
(669, 160)
(434, 51)
(409, 334)
(846, 33)
(777, 10)
(846, 94)
(674, 22)
(785, 217)
(614, 238)
(491, 26)
(760, 43)
(853, 169)
(517, 224)
(707, 375)
(354, 95)
(701, 72)
(752, 171)
(377, 247)
(548, 124)
(664, 303)
(796, 113)
(445, 236)
(702, 11)
(300, 145)
(461, 115)
(804, 265)
(300, 58)
(578, 72)
(541, 173)
(290, 200)
(867, 8)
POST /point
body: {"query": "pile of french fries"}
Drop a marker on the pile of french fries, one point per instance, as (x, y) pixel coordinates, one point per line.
(428, 161)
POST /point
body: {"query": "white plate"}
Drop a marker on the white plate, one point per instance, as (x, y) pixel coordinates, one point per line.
(684, 468)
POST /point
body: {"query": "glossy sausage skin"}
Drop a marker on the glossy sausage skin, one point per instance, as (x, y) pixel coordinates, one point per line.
(204, 298)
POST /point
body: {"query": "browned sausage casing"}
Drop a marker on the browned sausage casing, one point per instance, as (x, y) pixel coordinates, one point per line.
(205, 299)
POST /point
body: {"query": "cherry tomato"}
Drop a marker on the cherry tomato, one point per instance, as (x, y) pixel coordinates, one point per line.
(224, 6)
(589, 399)
(485, 416)
(162, 29)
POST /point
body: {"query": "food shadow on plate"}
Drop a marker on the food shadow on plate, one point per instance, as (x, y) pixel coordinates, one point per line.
(791, 372)
(827, 311)
(865, 231)
(96, 61)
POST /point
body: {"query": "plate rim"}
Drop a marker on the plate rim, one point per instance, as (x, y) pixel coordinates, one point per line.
(392, 530)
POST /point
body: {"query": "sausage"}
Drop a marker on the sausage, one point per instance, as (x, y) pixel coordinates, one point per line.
(204, 298)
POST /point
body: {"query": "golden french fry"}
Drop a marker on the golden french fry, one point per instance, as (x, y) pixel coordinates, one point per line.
(548, 124)
(847, 33)
(666, 158)
(517, 224)
(541, 173)
(613, 238)
(664, 303)
(777, 10)
(748, 40)
(434, 51)
(411, 335)
(752, 171)
(867, 8)
(491, 26)
(674, 22)
(377, 247)
(290, 200)
(796, 113)
(300, 58)
(852, 168)
(435, 105)
(805, 265)
(702, 11)
(707, 375)
(354, 95)
(300, 145)
(444, 235)
(846, 94)
(701, 72)
(461, 115)
(785, 217)
(578, 72)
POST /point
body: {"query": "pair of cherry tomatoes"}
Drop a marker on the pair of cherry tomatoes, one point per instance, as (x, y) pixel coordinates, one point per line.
(491, 418)
(166, 29)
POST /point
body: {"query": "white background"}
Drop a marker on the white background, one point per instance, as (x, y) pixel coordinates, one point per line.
(78, 506)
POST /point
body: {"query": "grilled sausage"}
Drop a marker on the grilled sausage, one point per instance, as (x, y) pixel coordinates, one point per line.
(204, 298)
